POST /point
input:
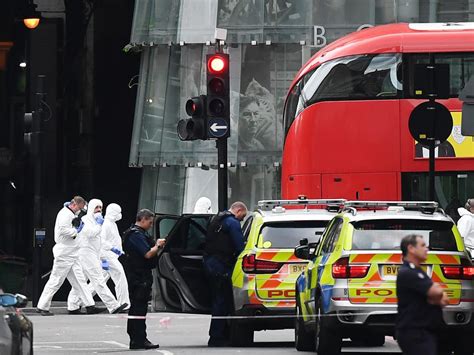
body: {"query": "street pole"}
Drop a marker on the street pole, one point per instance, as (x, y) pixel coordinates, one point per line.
(221, 144)
(38, 230)
(432, 169)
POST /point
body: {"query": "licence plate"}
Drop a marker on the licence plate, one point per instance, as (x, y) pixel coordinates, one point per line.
(390, 270)
(297, 269)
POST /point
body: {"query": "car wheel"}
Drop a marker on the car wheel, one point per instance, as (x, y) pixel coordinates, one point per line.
(328, 341)
(240, 334)
(304, 340)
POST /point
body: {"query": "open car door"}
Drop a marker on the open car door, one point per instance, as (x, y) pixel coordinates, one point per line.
(180, 283)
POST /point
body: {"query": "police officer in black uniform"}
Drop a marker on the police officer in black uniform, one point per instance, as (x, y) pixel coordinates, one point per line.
(140, 259)
(224, 242)
(419, 301)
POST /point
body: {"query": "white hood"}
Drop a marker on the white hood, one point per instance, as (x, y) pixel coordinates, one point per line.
(203, 205)
(463, 212)
(113, 212)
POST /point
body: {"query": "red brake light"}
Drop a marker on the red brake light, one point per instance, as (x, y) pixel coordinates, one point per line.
(341, 269)
(458, 272)
(252, 265)
(216, 64)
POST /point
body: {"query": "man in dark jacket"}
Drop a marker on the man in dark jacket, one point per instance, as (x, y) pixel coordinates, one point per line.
(224, 242)
(419, 301)
(140, 252)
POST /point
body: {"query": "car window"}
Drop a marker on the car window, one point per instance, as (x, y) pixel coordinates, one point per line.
(189, 234)
(289, 234)
(332, 236)
(387, 234)
(246, 228)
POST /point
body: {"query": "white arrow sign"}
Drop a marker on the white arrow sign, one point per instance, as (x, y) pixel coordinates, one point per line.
(215, 127)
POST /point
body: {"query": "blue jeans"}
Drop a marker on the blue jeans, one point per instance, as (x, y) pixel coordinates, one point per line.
(220, 282)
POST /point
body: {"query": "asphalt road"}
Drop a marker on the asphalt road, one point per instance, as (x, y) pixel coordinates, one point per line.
(176, 334)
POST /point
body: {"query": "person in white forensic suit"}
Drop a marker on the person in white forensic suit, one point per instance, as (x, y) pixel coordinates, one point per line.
(111, 249)
(66, 259)
(89, 257)
(466, 225)
(203, 205)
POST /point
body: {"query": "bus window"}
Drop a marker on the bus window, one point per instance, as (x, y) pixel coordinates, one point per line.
(359, 77)
(461, 67)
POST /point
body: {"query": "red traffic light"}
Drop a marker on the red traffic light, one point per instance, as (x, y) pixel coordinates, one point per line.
(195, 106)
(216, 64)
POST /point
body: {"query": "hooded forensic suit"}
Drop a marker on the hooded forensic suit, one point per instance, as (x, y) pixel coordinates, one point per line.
(89, 252)
(466, 228)
(110, 239)
(66, 262)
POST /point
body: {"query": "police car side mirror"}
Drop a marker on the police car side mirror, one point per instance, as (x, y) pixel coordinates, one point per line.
(302, 252)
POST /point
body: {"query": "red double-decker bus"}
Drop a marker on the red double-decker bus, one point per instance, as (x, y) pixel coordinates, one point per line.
(347, 111)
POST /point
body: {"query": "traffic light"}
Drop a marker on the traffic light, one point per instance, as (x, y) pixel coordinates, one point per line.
(218, 100)
(193, 128)
(32, 130)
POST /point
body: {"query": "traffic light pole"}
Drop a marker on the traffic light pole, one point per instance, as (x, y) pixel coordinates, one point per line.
(222, 189)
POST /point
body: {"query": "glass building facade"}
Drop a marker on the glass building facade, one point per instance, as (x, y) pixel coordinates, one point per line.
(268, 41)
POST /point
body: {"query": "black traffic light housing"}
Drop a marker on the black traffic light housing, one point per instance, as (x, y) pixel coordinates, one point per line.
(218, 95)
(32, 132)
(195, 127)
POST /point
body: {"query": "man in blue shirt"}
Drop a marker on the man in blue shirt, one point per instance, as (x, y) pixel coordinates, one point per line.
(140, 251)
(224, 242)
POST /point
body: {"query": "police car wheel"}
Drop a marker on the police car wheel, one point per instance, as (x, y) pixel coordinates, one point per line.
(304, 340)
(240, 334)
(328, 340)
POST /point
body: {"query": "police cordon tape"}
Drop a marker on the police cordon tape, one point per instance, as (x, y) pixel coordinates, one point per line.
(345, 314)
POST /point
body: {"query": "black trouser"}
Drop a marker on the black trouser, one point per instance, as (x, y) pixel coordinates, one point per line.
(139, 288)
(417, 341)
(219, 276)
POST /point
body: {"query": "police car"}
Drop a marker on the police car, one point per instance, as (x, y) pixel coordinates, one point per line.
(348, 289)
(265, 272)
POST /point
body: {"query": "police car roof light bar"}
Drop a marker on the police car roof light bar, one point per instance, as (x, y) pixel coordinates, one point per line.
(427, 207)
(270, 204)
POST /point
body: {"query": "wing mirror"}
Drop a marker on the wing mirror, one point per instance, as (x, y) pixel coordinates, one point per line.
(9, 300)
(302, 250)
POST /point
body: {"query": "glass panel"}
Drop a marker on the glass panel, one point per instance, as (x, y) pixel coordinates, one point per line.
(387, 234)
(142, 16)
(267, 72)
(153, 103)
(148, 188)
(243, 19)
(164, 21)
(452, 189)
(197, 21)
(288, 235)
(253, 183)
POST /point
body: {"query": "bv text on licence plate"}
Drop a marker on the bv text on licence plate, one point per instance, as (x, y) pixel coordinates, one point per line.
(297, 269)
(392, 270)
(389, 270)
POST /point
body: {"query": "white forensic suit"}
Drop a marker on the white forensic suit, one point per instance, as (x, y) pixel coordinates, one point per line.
(89, 250)
(111, 240)
(66, 262)
(466, 228)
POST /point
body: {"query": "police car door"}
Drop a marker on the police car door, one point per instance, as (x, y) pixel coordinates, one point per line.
(181, 284)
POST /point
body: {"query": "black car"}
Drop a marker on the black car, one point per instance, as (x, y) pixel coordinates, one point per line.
(16, 330)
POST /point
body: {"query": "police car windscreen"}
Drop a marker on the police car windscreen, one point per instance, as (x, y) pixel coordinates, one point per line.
(289, 234)
(387, 234)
